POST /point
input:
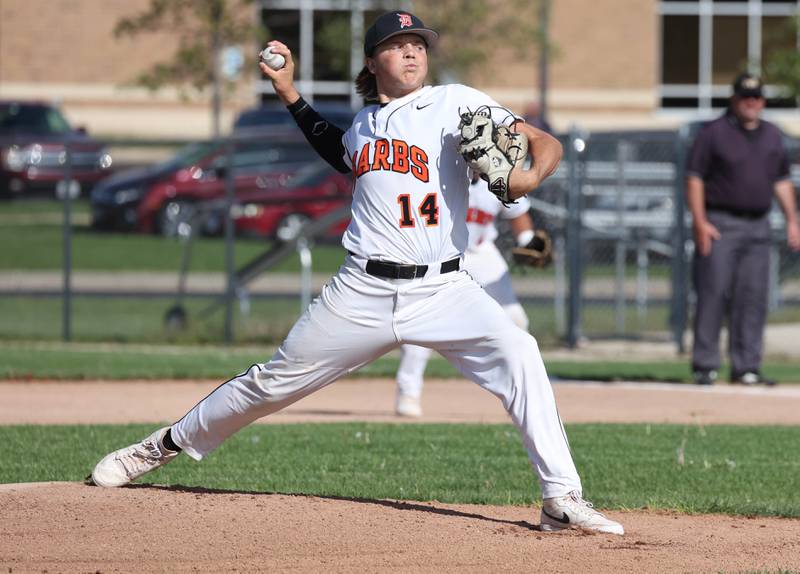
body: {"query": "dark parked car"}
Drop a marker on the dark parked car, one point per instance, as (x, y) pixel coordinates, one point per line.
(33, 153)
(156, 198)
(279, 213)
(274, 115)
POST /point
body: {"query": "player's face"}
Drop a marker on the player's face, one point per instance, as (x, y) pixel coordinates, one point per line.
(400, 65)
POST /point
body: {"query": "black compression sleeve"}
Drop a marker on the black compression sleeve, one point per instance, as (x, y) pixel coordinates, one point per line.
(324, 137)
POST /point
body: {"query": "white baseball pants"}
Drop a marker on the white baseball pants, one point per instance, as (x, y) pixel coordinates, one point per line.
(486, 265)
(356, 319)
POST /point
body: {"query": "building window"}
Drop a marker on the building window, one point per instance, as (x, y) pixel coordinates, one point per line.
(706, 43)
(326, 39)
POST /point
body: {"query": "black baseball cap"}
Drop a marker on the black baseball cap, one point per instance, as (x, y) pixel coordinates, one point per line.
(394, 23)
(748, 86)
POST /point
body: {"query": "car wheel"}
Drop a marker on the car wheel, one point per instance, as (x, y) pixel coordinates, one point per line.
(175, 218)
(289, 227)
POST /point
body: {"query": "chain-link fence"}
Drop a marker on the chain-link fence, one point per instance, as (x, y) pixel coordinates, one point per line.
(617, 213)
(615, 209)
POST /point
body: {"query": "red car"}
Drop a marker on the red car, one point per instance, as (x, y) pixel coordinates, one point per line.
(260, 164)
(33, 156)
(314, 191)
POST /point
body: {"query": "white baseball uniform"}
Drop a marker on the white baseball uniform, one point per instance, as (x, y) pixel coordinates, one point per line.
(409, 206)
(487, 266)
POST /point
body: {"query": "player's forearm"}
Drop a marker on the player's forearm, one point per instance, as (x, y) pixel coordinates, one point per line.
(520, 223)
(784, 193)
(287, 95)
(326, 141)
(545, 152)
(522, 229)
(696, 199)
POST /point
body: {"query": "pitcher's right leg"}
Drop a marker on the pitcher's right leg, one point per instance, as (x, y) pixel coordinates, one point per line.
(342, 330)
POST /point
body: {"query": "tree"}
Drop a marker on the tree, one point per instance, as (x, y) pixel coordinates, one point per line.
(203, 29)
(471, 30)
(783, 66)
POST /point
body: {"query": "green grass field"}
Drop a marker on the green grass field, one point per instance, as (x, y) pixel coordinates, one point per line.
(19, 360)
(39, 247)
(737, 470)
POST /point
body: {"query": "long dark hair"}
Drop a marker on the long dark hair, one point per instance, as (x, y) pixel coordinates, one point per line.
(367, 85)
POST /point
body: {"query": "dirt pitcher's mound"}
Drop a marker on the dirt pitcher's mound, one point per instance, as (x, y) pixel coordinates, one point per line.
(68, 527)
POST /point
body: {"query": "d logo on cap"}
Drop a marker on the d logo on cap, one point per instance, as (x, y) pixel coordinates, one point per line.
(405, 20)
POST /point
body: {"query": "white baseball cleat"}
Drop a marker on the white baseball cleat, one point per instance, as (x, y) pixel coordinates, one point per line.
(126, 464)
(408, 406)
(572, 511)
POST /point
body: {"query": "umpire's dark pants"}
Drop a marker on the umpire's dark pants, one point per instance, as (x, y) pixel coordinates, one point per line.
(732, 280)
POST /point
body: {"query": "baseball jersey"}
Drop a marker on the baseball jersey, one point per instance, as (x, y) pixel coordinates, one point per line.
(484, 209)
(410, 189)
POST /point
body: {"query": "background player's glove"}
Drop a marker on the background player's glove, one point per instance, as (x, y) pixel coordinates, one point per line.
(491, 150)
(537, 253)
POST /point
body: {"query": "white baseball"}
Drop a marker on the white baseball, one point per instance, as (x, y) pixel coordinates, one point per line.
(274, 61)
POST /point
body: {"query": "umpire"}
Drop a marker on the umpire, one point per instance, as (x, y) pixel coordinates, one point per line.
(736, 164)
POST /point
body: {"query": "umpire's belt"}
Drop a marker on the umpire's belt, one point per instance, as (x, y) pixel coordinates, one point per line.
(406, 271)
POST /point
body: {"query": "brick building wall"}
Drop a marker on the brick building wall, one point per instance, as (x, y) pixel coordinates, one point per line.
(65, 51)
(604, 70)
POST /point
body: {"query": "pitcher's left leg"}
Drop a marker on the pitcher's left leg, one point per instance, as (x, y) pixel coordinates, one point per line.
(486, 346)
(470, 329)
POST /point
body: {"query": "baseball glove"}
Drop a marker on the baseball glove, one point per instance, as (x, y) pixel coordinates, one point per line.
(491, 150)
(537, 253)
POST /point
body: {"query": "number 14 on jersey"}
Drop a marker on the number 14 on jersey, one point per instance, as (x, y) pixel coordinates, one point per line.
(428, 210)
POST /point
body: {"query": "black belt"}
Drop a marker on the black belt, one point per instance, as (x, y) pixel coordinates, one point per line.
(406, 271)
(744, 213)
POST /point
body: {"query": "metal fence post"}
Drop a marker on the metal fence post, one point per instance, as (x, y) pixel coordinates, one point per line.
(576, 145)
(230, 264)
(620, 251)
(66, 300)
(680, 293)
(560, 291)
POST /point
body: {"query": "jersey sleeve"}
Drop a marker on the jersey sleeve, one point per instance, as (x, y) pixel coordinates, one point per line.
(785, 165)
(473, 99)
(326, 138)
(521, 207)
(347, 146)
(699, 158)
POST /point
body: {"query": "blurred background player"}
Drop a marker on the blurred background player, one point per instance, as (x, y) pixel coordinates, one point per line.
(486, 264)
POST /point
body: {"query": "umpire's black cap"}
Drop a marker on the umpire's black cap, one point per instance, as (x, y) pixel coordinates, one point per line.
(394, 23)
(748, 86)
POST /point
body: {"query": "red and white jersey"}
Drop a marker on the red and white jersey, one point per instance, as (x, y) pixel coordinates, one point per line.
(410, 191)
(484, 209)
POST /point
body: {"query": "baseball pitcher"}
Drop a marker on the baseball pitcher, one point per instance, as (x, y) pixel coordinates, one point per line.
(486, 264)
(402, 281)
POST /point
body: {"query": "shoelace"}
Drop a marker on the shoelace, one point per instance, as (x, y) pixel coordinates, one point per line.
(152, 447)
(580, 500)
(151, 451)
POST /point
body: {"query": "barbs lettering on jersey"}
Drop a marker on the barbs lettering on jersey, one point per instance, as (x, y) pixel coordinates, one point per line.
(395, 155)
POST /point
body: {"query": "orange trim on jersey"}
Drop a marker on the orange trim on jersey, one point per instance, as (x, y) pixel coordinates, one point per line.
(400, 156)
(430, 214)
(406, 217)
(381, 160)
(363, 161)
(419, 161)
